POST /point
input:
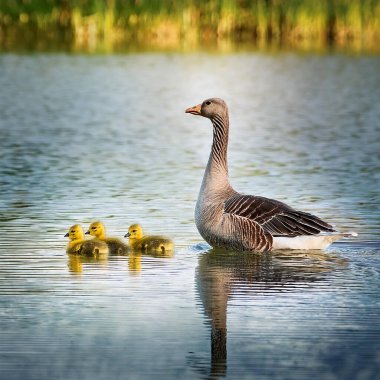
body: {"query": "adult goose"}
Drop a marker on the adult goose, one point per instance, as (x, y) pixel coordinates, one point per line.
(228, 219)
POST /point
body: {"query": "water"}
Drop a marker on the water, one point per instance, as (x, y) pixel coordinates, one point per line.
(106, 137)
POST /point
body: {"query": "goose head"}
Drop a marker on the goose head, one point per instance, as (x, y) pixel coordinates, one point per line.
(75, 232)
(135, 231)
(210, 108)
(97, 229)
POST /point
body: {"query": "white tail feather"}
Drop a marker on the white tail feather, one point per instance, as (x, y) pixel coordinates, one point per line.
(309, 241)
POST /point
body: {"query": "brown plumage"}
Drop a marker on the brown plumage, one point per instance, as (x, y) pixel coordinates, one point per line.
(276, 218)
(228, 219)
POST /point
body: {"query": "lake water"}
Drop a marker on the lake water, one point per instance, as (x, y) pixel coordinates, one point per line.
(105, 137)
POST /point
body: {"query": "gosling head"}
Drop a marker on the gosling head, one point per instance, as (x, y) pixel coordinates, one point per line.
(134, 232)
(97, 229)
(210, 108)
(75, 232)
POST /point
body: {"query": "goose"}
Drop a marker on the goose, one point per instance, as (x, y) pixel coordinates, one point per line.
(228, 219)
(115, 245)
(138, 241)
(78, 245)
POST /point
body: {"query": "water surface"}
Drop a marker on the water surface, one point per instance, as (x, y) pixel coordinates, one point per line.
(105, 137)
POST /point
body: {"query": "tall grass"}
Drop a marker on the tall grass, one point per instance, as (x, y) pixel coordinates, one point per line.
(193, 22)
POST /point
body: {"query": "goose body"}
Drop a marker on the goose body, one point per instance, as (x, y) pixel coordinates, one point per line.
(79, 246)
(115, 245)
(228, 219)
(151, 243)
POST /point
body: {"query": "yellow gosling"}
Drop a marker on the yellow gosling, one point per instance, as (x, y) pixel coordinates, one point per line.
(79, 246)
(115, 245)
(138, 241)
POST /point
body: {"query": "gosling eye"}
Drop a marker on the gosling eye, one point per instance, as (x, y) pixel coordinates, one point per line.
(133, 230)
(93, 228)
(208, 103)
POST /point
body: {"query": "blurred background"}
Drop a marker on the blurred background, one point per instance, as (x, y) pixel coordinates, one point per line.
(112, 25)
(92, 127)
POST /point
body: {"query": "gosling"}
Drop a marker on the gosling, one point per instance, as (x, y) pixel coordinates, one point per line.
(115, 245)
(79, 246)
(138, 241)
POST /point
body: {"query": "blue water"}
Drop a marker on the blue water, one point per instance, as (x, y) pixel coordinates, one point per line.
(106, 137)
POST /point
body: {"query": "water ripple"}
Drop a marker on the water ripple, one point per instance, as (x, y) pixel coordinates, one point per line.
(105, 137)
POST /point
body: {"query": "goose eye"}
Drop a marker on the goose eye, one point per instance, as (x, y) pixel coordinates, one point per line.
(133, 230)
(208, 103)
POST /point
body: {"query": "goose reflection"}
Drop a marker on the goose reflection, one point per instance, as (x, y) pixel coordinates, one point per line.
(223, 273)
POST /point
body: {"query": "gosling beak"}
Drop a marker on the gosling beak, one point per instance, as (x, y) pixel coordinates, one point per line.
(67, 235)
(127, 234)
(196, 110)
(87, 232)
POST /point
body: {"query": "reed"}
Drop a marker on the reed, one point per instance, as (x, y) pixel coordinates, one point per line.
(193, 22)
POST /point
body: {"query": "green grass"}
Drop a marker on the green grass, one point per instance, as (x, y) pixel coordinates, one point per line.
(194, 22)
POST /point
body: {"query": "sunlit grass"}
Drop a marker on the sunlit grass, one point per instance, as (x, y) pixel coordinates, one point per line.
(175, 23)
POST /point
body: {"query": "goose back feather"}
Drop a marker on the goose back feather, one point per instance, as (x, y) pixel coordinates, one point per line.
(275, 217)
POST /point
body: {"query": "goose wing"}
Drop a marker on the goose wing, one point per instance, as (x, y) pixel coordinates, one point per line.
(276, 218)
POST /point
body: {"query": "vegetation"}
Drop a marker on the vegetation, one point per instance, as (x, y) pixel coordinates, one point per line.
(174, 23)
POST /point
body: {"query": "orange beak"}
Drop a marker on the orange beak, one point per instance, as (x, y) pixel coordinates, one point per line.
(196, 110)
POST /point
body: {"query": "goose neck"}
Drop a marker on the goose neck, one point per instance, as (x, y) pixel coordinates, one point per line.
(218, 156)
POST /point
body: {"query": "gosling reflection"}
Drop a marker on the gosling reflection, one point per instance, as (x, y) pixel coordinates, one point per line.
(75, 263)
(222, 273)
(135, 259)
(134, 263)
